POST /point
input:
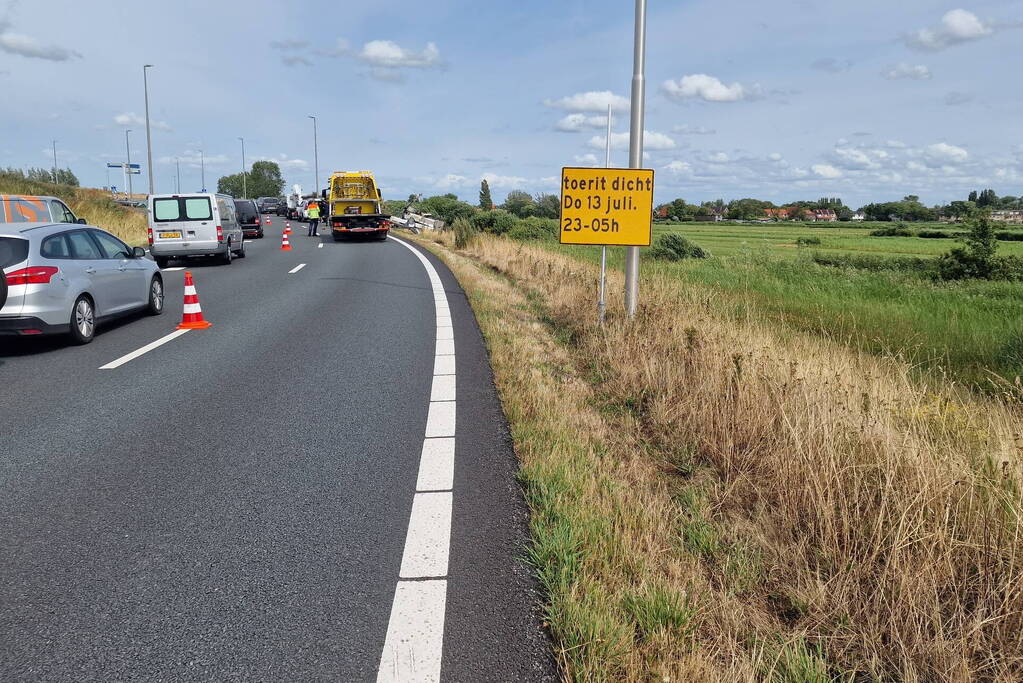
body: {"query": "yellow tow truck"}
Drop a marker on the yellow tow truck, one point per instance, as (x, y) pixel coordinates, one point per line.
(355, 206)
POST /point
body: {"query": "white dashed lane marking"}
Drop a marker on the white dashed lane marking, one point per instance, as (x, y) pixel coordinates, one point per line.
(144, 350)
(296, 269)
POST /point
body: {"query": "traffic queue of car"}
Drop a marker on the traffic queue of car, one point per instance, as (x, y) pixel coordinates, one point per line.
(59, 275)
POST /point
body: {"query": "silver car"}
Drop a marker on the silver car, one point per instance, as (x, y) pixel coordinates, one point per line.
(65, 278)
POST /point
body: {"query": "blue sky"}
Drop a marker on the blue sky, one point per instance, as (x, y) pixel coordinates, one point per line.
(864, 99)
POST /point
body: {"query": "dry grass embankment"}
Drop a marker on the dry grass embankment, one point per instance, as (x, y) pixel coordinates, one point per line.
(95, 206)
(713, 501)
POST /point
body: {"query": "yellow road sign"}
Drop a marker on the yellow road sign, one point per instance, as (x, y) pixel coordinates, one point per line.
(611, 206)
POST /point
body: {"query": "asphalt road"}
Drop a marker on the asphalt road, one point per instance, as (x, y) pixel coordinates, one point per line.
(235, 504)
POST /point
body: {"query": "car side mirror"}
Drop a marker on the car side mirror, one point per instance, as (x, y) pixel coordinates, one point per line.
(80, 221)
(138, 252)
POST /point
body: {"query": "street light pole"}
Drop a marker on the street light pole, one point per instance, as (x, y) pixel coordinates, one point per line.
(636, 145)
(316, 158)
(149, 143)
(177, 179)
(127, 167)
(202, 168)
(54, 162)
(245, 186)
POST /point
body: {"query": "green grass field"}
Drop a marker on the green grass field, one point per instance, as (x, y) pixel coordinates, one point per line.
(970, 332)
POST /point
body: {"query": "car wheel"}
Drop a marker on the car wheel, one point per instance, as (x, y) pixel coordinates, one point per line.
(162, 261)
(260, 234)
(227, 256)
(155, 296)
(83, 320)
(241, 252)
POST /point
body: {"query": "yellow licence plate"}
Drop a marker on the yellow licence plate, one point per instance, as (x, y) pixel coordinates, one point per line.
(170, 235)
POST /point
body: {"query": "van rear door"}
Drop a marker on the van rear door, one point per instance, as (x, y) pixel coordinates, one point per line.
(183, 223)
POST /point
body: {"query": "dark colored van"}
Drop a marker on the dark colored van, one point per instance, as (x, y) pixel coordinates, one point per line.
(248, 218)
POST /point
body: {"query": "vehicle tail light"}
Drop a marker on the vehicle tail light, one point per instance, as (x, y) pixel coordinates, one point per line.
(149, 234)
(33, 275)
(337, 224)
(30, 332)
(220, 233)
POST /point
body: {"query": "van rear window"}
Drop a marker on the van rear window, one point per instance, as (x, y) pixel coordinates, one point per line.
(182, 209)
(23, 210)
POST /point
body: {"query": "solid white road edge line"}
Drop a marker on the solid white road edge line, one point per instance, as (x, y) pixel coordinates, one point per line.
(145, 349)
(296, 269)
(414, 645)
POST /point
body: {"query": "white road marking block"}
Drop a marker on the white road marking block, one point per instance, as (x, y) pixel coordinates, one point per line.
(144, 350)
(443, 388)
(444, 365)
(415, 633)
(320, 245)
(446, 347)
(441, 419)
(444, 332)
(169, 270)
(296, 269)
(429, 536)
(437, 465)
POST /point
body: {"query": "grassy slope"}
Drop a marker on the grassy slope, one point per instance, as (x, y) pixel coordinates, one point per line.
(969, 332)
(714, 501)
(94, 206)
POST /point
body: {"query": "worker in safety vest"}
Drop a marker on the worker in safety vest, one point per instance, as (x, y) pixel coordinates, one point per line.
(313, 212)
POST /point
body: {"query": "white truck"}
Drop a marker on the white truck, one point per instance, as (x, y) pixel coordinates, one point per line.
(294, 199)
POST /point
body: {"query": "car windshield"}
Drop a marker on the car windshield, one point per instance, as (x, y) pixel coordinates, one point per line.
(182, 209)
(12, 250)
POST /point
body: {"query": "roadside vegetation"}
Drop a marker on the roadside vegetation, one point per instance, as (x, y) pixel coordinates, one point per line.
(719, 493)
(95, 206)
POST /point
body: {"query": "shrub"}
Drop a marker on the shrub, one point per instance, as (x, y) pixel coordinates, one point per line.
(977, 259)
(674, 247)
(808, 241)
(465, 233)
(934, 234)
(897, 230)
(534, 228)
(496, 221)
(1007, 236)
(877, 263)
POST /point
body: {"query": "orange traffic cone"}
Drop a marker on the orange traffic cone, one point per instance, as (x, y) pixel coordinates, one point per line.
(268, 221)
(287, 227)
(285, 245)
(191, 318)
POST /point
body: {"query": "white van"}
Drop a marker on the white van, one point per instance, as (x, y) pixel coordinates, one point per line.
(182, 225)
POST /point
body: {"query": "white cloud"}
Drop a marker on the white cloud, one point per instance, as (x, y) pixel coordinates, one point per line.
(916, 72)
(826, 171)
(387, 53)
(853, 157)
(593, 101)
(651, 141)
(587, 159)
(26, 46)
(943, 153)
(706, 88)
(576, 122)
(451, 180)
(130, 118)
(284, 161)
(957, 26)
(295, 60)
(774, 156)
(679, 168)
(495, 180)
(896, 144)
(686, 129)
(717, 158)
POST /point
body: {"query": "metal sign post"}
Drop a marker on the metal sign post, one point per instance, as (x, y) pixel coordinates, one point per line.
(636, 146)
(602, 300)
